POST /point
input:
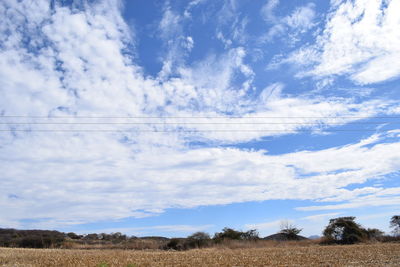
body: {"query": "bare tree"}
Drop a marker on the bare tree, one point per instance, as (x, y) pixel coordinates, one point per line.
(289, 229)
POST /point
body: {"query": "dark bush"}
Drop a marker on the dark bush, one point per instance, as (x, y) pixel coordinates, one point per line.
(74, 236)
(389, 238)
(251, 235)
(197, 240)
(374, 234)
(228, 233)
(93, 236)
(175, 244)
(6, 237)
(118, 237)
(30, 238)
(31, 241)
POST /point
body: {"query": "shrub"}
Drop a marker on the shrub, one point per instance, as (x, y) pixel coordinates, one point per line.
(74, 236)
(374, 234)
(251, 235)
(93, 236)
(175, 244)
(197, 240)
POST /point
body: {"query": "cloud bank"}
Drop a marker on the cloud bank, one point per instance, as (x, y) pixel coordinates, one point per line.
(71, 67)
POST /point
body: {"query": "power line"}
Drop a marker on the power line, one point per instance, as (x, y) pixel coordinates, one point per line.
(190, 123)
(194, 131)
(200, 117)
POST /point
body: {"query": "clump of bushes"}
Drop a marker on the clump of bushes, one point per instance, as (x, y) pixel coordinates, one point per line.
(114, 238)
(231, 234)
(203, 240)
(196, 240)
(31, 238)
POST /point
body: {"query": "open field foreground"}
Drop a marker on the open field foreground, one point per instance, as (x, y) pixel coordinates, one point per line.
(354, 255)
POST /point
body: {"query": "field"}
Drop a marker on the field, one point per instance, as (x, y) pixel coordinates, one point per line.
(387, 254)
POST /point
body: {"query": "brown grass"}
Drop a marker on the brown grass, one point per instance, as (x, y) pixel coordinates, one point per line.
(378, 254)
(237, 244)
(146, 244)
(138, 244)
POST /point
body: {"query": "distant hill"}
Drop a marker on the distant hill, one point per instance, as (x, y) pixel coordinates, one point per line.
(284, 237)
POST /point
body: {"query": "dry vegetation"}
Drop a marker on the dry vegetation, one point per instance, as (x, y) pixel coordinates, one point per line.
(378, 254)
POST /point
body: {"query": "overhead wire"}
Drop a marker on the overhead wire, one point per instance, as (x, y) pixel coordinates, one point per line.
(199, 117)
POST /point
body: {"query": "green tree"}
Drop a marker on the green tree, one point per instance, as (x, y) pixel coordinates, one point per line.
(228, 233)
(344, 230)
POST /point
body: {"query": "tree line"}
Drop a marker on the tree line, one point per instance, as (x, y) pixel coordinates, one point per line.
(341, 230)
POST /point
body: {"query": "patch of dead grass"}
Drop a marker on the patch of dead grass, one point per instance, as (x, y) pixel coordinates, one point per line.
(379, 254)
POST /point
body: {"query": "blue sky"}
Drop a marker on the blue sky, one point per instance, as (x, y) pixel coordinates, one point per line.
(169, 117)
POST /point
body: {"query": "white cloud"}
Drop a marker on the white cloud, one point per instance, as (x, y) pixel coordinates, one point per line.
(321, 217)
(187, 13)
(265, 225)
(362, 197)
(376, 70)
(83, 74)
(274, 225)
(70, 179)
(268, 10)
(360, 40)
(82, 71)
(291, 26)
(231, 25)
(302, 18)
(189, 43)
(368, 201)
(175, 43)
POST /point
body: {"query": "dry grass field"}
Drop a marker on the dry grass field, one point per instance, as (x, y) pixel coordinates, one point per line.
(387, 254)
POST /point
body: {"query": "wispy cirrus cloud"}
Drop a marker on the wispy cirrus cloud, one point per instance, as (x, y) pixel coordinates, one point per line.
(360, 40)
(231, 29)
(291, 26)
